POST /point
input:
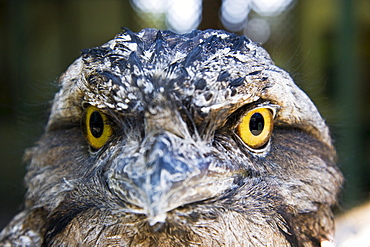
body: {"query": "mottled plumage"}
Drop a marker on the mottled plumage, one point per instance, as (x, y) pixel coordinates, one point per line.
(174, 171)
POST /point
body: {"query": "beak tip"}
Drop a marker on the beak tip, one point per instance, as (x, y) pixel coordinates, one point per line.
(159, 218)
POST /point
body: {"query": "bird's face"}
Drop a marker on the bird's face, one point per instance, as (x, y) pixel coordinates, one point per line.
(157, 126)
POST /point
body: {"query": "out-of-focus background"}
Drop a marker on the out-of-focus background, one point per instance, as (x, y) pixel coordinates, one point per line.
(324, 44)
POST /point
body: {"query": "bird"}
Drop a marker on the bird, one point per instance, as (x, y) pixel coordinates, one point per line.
(163, 139)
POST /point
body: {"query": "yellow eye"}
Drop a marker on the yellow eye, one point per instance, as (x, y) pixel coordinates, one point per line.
(256, 127)
(96, 128)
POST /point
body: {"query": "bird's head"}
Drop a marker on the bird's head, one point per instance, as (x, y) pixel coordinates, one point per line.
(152, 122)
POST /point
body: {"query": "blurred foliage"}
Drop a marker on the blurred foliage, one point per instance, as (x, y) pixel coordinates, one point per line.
(325, 45)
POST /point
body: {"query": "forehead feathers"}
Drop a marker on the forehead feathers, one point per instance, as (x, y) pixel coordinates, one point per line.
(206, 70)
(134, 68)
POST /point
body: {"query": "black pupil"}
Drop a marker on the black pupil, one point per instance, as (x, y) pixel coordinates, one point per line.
(96, 124)
(256, 124)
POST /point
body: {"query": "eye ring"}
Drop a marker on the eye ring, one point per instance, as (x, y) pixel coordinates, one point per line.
(256, 127)
(96, 127)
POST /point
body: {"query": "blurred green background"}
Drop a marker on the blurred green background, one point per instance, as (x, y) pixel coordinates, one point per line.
(324, 44)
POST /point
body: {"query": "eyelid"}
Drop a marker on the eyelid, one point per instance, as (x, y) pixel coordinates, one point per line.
(274, 108)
